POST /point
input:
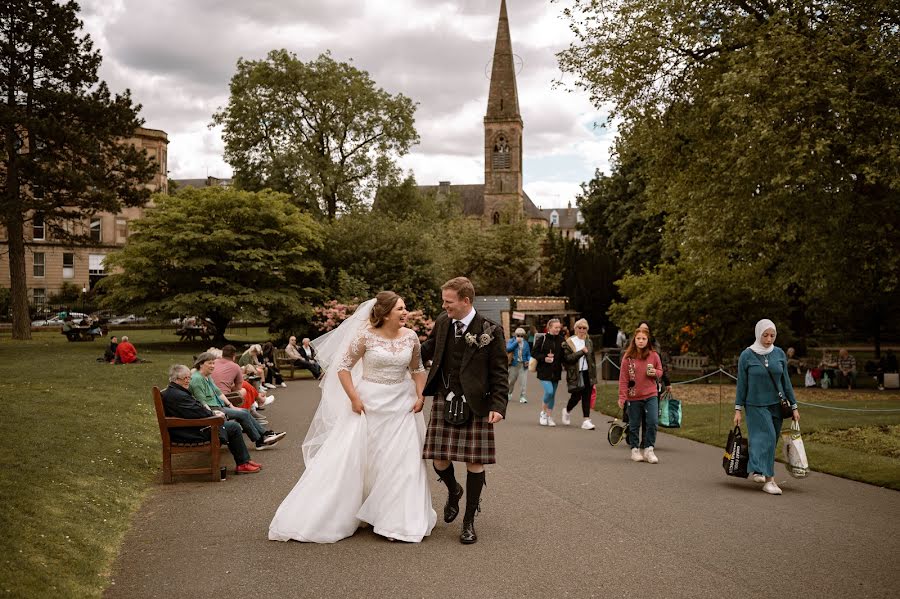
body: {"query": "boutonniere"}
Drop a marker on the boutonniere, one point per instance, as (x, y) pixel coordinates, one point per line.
(482, 340)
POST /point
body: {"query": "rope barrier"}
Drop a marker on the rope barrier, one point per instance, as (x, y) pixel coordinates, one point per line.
(802, 403)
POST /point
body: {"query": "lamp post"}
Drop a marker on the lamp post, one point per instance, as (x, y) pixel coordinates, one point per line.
(83, 293)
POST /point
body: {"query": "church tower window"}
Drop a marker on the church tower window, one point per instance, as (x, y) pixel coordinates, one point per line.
(496, 218)
(500, 157)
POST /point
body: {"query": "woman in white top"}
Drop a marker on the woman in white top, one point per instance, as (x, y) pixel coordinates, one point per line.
(363, 451)
(581, 373)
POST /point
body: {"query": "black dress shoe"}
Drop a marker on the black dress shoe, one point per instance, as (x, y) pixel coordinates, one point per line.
(451, 508)
(468, 535)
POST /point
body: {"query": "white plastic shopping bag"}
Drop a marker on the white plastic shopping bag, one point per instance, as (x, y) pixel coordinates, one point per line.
(794, 454)
(809, 381)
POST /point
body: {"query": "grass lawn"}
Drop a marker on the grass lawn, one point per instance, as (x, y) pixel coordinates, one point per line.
(863, 446)
(79, 447)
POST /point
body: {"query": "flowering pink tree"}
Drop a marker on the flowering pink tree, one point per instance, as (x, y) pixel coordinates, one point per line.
(420, 323)
(332, 314)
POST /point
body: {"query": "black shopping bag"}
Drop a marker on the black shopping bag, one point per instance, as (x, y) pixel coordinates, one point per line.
(736, 454)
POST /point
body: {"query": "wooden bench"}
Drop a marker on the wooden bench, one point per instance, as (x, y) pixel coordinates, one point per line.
(284, 363)
(170, 447)
(690, 363)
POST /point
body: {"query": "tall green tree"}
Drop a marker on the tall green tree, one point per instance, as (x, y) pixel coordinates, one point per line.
(766, 132)
(62, 156)
(218, 253)
(320, 131)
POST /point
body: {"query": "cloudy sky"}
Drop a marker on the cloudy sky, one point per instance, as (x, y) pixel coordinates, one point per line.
(177, 57)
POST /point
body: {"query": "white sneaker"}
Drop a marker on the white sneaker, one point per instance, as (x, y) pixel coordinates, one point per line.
(270, 385)
(283, 384)
(543, 420)
(550, 421)
(771, 488)
(588, 425)
(636, 455)
(758, 478)
(523, 400)
(565, 417)
(269, 399)
(650, 456)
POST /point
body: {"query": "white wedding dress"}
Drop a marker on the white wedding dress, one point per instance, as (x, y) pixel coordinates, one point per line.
(368, 467)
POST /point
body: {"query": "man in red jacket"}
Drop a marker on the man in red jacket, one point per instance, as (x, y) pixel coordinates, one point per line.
(126, 353)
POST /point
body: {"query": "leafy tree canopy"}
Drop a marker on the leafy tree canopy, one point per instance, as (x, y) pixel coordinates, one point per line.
(320, 131)
(218, 253)
(62, 153)
(766, 136)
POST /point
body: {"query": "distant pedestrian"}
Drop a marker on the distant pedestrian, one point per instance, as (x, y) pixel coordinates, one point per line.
(581, 373)
(758, 365)
(638, 375)
(126, 353)
(846, 370)
(547, 351)
(621, 339)
(519, 353)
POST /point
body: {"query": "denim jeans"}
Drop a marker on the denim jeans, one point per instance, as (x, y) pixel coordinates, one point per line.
(248, 423)
(647, 412)
(230, 434)
(549, 393)
(520, 373)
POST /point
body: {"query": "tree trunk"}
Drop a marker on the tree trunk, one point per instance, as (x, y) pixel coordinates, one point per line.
(21, 319)
(221, 323)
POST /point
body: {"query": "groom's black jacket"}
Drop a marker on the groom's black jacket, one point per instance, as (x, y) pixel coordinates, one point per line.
(483, 371)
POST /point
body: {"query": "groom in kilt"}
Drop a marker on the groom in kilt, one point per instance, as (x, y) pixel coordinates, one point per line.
(468, 379)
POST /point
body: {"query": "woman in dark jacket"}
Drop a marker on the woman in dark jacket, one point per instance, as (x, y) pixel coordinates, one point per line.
(547, 351)
(273, 375)
(581, 373)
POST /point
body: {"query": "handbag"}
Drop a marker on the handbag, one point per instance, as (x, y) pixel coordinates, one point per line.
(737, 454)
(794, 453)
(456, 409)
(786, 410)
(669, 411)
(593, 397)
(532, 363)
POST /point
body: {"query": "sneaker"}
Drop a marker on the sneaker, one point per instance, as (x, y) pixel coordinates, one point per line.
(771, 488)
(588, 425)
(283, 384)
(269, 399)
(273, 439)
(523, 400)
(758, 478)
(260, 445)
(256, 414)
(246, 468)
(636, 455)
(270, 386)
(543, 420)
(650, 456)
(565, 417)
(550, 421)
(252, 463)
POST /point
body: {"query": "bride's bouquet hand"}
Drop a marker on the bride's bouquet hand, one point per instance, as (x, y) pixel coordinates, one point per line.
(417, 407)
(357, 406)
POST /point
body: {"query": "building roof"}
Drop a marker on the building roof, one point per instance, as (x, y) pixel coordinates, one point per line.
(568, 217)
(200, 183)
(472, 198)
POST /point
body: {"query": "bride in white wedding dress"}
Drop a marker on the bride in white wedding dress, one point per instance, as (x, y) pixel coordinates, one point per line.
(363, 451)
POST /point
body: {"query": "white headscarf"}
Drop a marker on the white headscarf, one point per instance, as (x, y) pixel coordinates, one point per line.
(761, 327)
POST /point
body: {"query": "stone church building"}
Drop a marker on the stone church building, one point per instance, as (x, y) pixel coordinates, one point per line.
(501, 193)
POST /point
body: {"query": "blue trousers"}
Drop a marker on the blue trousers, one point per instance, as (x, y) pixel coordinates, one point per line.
(248, 423)
(763, 428)
(642, 413)
(549, 393)
(230, 435)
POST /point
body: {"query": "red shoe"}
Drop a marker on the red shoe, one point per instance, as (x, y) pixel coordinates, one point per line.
(252, 463)
(246, 468)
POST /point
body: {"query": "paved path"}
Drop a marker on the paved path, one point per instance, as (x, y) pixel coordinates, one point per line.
(565, 515)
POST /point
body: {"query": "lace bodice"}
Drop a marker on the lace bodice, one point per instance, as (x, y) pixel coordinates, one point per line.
(385, 361)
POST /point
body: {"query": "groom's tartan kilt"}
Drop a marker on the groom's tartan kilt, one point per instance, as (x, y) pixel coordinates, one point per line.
(471, 442)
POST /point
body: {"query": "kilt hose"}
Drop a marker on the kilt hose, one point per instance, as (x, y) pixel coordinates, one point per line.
(472, 442)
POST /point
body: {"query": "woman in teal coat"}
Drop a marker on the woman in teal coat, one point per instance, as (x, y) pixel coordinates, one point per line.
(758, 397)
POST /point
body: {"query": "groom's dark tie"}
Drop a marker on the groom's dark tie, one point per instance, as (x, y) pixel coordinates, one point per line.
(459, 327)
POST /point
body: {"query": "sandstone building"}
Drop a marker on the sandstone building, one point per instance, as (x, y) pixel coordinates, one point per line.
(50, 263)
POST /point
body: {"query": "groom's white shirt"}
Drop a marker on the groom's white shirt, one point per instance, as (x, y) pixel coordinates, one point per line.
(466, 320)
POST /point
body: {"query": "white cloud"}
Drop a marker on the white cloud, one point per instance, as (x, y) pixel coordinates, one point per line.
(178, 58)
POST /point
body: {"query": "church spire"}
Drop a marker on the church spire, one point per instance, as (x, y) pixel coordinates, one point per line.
(503, 98)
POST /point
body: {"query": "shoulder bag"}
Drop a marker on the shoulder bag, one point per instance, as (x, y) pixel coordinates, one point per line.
(784, 404)
(532, 363)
